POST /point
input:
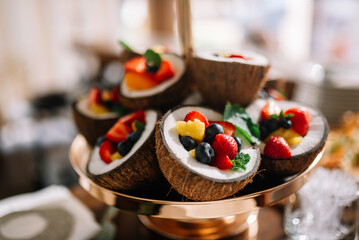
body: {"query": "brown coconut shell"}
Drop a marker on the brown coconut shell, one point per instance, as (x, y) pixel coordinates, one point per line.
(220, 82)
(295, 164)
(140, 170)
(89, 127)
(164, 100)
(189, 184)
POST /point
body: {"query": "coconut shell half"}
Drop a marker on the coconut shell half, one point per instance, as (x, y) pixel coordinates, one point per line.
(90, 125)
(164, 96)
(304, 153)
(136, 170)
(187, 176)
(221, 79)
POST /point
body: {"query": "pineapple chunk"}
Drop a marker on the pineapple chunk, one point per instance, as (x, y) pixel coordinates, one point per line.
(194, 129)
(115, 156)
(192, 153)
(290, 136)
(98, 109)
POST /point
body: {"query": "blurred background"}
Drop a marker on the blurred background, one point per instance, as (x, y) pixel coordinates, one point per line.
(51, 52)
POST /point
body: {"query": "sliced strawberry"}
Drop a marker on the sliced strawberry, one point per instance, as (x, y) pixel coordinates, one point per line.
(164, 72)
(222, 161)
(115, 95)
(228, 127)
(191, 116)
(238, 56)
(225, 144)
(300, 120)
(137, 64)
(107, 148)
(94, 96)
(277, 147)
(269, 109)
(130, 118)
(118, 132)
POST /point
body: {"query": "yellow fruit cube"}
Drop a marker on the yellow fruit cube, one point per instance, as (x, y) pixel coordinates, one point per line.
(194, 129)
(115, 156)
(192, 153)
(98, 109)
(290, 136)
(294, 140)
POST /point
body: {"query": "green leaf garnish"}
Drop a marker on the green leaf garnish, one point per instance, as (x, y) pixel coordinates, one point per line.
(240, 161)
(281, 115)
(125, 46)
(243, 122)
(139, 126)
(153, 59)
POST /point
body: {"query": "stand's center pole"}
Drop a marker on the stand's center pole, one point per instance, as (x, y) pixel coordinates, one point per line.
(184, 28)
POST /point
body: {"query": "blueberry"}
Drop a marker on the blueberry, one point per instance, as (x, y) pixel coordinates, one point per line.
(239, 143)
(271, 125)
(264, 132)
(187, 142)
(134, 136)
(100, 140)
(124, 147)
(151, 69)
(204, 153)
(108, 104)
(285, 123)
(211, 132)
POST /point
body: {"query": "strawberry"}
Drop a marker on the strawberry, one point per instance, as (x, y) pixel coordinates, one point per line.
(191, 116)
(128, 119)
(277, 147)
(107, 148)
(300, 120)
(94, 96)
(228, 127)
(137, 64)
(118, 132)
(115, 95)
(164, 72)
(222, 161)
(225, 144)
(238, 56)
(269, 109)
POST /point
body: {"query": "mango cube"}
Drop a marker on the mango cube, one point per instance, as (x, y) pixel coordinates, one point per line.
(194, 129)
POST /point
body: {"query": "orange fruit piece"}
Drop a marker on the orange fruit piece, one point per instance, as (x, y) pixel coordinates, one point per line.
(139, 81)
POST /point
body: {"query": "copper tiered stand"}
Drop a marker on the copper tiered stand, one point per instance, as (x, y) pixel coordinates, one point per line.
(170, 215)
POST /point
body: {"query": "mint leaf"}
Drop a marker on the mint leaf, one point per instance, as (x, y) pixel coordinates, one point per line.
(242, 121)
(240, 161)
(125, 46)
(139, 126)
(153, 59)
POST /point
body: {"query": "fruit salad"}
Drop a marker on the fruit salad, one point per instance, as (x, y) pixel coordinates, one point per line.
(104, 101)
(147, 71)
(282, 129)
(211, 142)
(121, 137)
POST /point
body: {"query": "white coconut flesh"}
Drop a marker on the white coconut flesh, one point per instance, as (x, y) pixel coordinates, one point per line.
(171, 138)
(96, 166)
(316, 130)
(252, 58)
(82, 107)
(178, 65)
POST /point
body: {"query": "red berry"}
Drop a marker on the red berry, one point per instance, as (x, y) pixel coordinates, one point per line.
(222, 161)
(277, 147)
(118, 132)
(269, 109)
(225, 145)
(300, 120)
(228, 127)
(191, 116)
(107, 148)
(94, 96)
(130, 118)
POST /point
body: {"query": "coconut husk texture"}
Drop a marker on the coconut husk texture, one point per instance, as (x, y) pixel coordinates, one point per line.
(189, 184)
(139, 171)
(91, 128)
(295, 164)
(220, 82)
(164, 100)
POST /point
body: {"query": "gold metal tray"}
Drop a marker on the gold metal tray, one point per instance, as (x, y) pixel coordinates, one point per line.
(162, 203)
